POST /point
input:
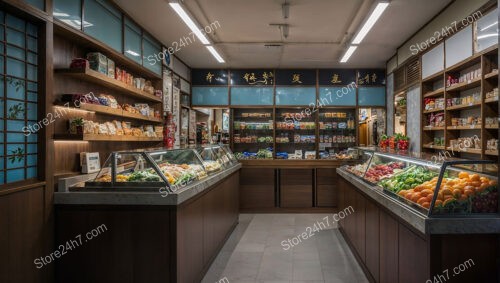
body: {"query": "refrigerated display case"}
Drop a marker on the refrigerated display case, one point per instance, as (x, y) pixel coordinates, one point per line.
(149, 169)
(216, 158)
(432, 187)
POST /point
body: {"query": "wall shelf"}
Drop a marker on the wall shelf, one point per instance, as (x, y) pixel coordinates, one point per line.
(491, 100)
(465, 85)
(474, 127)
(434, 146)
(461, 107)
(94, 137)
(491, 75)
(433, 128)
(103, 80)
(465, 150)
(491, 152)
(437, 92)
(432, 111)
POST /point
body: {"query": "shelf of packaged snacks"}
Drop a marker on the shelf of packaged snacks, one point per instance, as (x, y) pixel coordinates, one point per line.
(102, 109)
(431, 146)
(465, 85)
(466, 150)
(437, 92)
(432, 111)
(491, 100)
(460, 107)
(263, 143)
(101, 79)
(493, 75)
(491, 152)
(471, 127)
(433, 128)
(94, 137)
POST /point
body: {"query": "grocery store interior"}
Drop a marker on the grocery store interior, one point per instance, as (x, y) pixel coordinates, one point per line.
(235, 141)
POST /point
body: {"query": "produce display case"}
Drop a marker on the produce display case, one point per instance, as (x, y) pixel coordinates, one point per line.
(149, 170)
(448, 188)
(229, 154)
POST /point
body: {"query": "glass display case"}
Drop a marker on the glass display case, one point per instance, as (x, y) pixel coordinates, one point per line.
(447, 188)
(215, 157)
(150, 169)
(253, 133)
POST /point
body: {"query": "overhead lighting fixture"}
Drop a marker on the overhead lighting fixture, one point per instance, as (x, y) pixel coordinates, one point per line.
(215, 54)
(348, 53)
(487, 35)
(132, 53)
(489, 26)
(367, 26)
(189, 22)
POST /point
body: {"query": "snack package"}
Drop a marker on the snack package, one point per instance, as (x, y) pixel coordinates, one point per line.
(112, 101)
(111, 69)
(98, 62)
(111, 128)
(103, 129)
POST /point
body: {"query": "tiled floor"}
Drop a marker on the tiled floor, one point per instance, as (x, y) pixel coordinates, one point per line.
(254, 252)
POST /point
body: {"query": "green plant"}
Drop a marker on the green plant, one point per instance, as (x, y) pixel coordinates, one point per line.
(17, 154)
(18, 84)
(77, 121)
(14, 110)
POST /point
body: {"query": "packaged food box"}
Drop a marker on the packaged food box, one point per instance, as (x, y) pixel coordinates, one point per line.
(111, 68)
(98, 62)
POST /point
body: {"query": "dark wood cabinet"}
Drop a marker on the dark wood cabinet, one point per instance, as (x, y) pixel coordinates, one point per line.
(372, 242)
(359, 222)
(296, 188)
(412, 256)
(326, 187)
(388, 248)
(257, 188)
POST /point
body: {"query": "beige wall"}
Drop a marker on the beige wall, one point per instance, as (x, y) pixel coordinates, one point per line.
(455, 12)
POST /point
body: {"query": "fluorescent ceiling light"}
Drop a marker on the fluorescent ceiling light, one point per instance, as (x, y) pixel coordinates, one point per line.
(132, 53)
(215, 54)
(189, 22)
(489, 26)
(348, 53)
(487, 35)
(377, 12)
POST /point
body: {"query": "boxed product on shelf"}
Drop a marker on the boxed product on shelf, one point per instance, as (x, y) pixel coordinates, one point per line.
(310, 155)
(436, 120)
(492, 144)
(439, 141)
(492, 94)
(433, 103)
(466, 142)
(98, 62)
(491, 121)
(111, 69)
(79, 63)
(468, 121)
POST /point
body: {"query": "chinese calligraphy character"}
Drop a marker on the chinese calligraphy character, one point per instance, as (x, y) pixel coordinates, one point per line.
(335, 79)
(252, 77)
(265, 77)
(209, 77)
(246, 76)
(374, 78)
(367, 78)
(296, 78)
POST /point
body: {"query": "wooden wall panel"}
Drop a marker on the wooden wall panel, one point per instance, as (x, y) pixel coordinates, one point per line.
(359, 218)
(296, 187)
(326, 187)
(22, 236)
(257, 188)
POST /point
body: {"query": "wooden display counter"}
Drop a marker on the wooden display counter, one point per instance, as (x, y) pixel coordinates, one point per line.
(289, 185)
(392, 243)
(148, 237)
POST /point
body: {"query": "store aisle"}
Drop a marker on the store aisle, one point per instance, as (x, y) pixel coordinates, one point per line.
(254, 252)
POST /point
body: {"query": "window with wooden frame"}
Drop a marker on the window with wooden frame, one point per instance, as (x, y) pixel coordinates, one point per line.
(18, 99)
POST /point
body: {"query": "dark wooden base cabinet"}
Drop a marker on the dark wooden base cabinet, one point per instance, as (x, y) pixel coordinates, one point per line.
(147, 243)
(288, 185)
(391, 251)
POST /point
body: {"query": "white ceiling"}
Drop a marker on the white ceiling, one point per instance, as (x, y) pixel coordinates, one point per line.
(317, 30)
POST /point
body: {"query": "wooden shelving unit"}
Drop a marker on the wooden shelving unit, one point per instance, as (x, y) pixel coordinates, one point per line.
(101, 79)
(114, 138)
(434, 87)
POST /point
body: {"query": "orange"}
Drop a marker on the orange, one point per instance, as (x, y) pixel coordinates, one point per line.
(426, 204)
(438, 203)
(463, 197)
(493, 183)
(475, 184)
(468, 192)
(408, 196)
(446, 192)
(475, 177)
(457, 193)
(419, 188)
(403, 193)
(446, 197)
(429, 197)
(426, 192)
(422, 200)
(415, 197)
(463, 175)
(440, 196)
